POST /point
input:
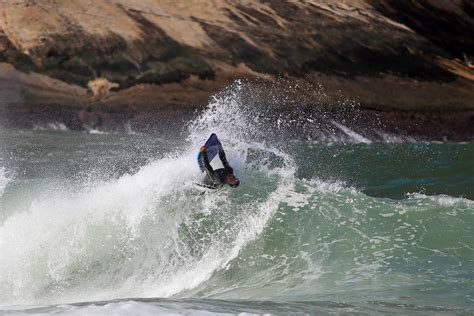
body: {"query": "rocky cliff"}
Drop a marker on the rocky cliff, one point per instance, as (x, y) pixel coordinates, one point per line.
(168, 55)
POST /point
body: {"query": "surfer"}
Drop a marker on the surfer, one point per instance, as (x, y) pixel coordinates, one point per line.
(217, 178)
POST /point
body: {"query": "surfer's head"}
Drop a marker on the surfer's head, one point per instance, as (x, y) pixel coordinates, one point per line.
(231, 180)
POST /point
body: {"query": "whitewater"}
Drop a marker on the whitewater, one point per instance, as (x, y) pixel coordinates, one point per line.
(336, 221)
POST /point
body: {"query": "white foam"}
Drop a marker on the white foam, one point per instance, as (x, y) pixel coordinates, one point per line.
(442, 199)
(121, 238)
(127, 237)
(96, 131)
(354, 137)
(326, 186)
(47, 242)
(119, 308)
(126, 307)
(55, 126)
(4, 180)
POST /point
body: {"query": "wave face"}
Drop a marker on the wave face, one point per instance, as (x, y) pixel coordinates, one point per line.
(310, 221)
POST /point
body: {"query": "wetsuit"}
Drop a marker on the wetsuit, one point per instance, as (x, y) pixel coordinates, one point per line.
(216, 178)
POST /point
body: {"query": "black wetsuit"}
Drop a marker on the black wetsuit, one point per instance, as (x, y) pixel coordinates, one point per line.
(216, 178)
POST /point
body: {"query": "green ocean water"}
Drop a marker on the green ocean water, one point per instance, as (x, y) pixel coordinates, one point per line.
(115, 224)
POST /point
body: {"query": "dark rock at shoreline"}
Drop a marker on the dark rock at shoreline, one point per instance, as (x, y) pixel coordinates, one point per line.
(56, 105)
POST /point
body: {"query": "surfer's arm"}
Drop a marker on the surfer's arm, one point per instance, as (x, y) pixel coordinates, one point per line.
(223, 158)
(207, 164)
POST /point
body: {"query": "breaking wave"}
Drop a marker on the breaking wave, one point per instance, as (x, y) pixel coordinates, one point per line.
(154, 233)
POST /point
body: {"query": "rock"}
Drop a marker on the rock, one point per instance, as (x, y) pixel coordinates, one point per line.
(385, 54)
(133, 42)
(469, 61)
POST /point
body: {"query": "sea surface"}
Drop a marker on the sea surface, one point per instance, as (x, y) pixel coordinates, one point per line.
(342, 224)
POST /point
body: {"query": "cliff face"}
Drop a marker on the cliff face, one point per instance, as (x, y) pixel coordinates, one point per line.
(369, 49)
(167, 41)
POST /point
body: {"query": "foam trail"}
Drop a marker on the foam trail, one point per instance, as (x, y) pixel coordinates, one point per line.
(353, 135)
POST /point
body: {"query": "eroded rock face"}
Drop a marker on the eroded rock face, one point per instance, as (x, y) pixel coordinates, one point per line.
(386, 54)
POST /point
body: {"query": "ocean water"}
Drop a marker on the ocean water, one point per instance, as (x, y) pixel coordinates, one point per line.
(344, 223)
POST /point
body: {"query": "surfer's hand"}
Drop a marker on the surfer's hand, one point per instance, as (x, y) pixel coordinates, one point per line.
(202, 149)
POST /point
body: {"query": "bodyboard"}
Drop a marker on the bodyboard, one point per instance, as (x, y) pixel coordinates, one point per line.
(212, 148)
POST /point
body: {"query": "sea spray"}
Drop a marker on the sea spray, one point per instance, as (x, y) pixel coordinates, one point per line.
(141, 234)
(123, 230)
(269, 112)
